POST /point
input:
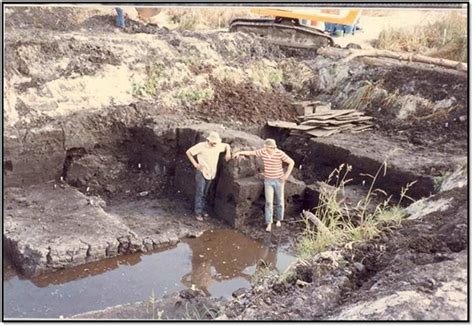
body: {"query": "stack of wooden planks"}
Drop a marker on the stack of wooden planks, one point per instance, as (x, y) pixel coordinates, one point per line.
(327, 122)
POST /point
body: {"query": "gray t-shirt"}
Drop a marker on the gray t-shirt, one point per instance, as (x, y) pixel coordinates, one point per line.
(208, 156)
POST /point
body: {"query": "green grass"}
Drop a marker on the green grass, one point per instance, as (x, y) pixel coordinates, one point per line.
(150, 86)
(193, 96)
(393, 215)
(334, 224)
(266, 74)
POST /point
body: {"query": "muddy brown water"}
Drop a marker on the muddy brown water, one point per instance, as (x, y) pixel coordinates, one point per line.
(218, 262)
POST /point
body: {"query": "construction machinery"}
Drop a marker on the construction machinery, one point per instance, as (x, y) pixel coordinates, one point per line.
(295, 27)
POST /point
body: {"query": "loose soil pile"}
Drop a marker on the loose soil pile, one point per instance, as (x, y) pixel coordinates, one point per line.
(245, 104)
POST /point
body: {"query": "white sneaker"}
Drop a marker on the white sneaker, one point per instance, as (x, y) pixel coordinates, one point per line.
(269, 227)
(278, 224)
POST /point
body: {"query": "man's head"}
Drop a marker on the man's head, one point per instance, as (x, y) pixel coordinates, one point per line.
(270, 145)
(213, 139)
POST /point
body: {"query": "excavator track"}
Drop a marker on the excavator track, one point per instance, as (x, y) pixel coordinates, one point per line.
(295, 35)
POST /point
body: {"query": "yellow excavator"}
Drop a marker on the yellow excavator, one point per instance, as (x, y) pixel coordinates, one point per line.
(295, 27)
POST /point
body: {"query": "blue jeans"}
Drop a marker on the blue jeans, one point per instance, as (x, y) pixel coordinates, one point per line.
(274, 188)
(202, 188)
(120, 19)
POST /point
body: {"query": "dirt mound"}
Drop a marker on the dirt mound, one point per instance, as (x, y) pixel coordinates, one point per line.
(53, 18)
(244, 103)
(107, 23)
(99, 23)
(72, 18)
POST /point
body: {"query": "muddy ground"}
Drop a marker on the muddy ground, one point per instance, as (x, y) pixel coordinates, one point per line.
(97, 122)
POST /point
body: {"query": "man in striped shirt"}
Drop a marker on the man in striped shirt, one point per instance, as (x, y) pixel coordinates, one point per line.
(275, 178)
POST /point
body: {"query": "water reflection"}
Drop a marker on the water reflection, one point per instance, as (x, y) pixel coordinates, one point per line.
(88, 270)
(219, 262)
(83, 271)
(223, 255)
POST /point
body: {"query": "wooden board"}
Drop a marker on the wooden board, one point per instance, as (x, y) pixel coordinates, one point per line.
(354, 131)
(329, 114)
(309, 102)
(340, 127)
(363, 127)
(355, 118)
(301, 103)
(324, 122)
(290, 125)
(319, 113)
(321, 108)
(320, 133)
(281, 124)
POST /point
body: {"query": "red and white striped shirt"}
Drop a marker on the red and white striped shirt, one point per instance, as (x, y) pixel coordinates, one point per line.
(272, 164)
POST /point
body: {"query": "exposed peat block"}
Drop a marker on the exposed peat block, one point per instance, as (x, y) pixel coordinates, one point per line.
(48, 228)
(366, 153)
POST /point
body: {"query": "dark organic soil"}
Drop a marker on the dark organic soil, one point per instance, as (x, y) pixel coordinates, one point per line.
(445, 131)
(244, 103)
(107, 23)
(429, 84)
(442, 130)
(424, 241)
(56, 18)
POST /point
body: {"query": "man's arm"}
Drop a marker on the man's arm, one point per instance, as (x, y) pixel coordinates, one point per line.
(291, 164)
(244, 153)
(228, 155)
(193, 161)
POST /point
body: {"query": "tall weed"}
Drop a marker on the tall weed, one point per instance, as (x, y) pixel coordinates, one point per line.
(334, 223)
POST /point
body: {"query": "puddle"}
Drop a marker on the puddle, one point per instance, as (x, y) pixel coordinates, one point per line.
(219, 262)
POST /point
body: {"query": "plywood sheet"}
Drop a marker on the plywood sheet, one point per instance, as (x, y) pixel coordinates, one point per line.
(320, 133)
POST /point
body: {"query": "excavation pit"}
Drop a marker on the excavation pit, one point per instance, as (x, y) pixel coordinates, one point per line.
(132, 193)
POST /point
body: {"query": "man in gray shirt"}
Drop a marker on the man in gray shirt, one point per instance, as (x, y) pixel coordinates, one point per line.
(206, 166)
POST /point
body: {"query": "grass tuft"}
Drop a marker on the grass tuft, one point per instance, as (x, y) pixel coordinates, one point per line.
(361, 98)
(194, 96)
(334, 224)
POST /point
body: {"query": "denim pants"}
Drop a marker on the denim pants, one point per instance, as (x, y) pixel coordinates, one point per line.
(202, 188)
(274, 188)
(120, 18)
